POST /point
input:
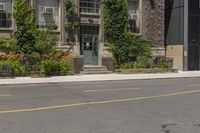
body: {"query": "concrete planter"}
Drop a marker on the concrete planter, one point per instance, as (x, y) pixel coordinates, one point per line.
(147, 70)
(77, 65)
(108, 62)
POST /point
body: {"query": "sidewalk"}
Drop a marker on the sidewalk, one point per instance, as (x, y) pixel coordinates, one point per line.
(106, 77)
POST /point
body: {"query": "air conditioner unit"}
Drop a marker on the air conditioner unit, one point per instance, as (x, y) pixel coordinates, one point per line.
(2, 7)
(49, 10)
(133, 16)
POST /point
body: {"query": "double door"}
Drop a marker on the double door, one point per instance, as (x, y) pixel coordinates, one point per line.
(90, 49)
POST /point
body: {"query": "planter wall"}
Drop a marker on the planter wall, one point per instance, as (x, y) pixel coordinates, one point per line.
(77, 65)
(108, 62)
(150, 70)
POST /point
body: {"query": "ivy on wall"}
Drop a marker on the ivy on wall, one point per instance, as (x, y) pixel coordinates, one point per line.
(25, 35)
(28, 38)
(119, 41)
(115, 19)
(72, 21)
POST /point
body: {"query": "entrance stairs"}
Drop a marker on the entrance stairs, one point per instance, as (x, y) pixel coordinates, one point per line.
(94, 69)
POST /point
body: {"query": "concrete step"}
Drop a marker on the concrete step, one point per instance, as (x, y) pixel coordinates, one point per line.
(103, 72)
(90, 69)
(97, 69)
(94, 67)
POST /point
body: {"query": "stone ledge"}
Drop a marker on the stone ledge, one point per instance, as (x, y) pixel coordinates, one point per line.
(147, 70)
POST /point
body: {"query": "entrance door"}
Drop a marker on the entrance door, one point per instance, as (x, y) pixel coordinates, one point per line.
(90, 49)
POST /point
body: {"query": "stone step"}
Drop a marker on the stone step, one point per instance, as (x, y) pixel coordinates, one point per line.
(90, 69)
(97, 72)
(97, 69)
(94, 67)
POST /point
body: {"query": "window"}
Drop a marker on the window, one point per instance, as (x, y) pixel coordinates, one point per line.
(133, 16)
(89, 30)
(48, 16)
(5, 14)
(132, 26)
(90, 6)
(48, 13)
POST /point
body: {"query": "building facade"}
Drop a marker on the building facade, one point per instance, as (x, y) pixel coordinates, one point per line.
(182, 33)
(146, 17)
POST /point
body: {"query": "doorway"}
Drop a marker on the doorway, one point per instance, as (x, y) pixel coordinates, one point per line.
(89, 44)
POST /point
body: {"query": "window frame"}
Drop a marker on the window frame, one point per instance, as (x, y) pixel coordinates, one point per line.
(87, 8)
(8, 20)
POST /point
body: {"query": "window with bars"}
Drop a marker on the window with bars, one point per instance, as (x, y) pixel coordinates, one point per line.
(90, 6)
(5, 13)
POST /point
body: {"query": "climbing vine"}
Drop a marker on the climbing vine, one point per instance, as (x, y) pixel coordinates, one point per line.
(72, 22)
(115, 19)
(119, 41)
(25, 35)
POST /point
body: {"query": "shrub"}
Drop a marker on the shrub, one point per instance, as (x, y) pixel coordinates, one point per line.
(137, 45)
(64, 66)
(45, 41)
(144, 61)
(130, 44)
(48, 67)
(59, 55)
(9, 56)
(162, 63)
(6, 45)
(131, 66)
(16, 66)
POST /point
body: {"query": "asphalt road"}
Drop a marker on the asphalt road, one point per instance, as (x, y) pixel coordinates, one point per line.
(135, 106)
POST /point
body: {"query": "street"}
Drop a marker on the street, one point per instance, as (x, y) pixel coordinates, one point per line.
(132, 106)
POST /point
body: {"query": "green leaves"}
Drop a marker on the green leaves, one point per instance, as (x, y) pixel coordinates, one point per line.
(25, 35)
(120, 42)
(29, 39)
(115, 19)
(45, 41)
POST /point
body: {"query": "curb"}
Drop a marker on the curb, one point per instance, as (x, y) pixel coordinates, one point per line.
(18, 81)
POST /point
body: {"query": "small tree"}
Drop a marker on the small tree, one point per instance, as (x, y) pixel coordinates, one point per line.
(45, 41)
(25, 21)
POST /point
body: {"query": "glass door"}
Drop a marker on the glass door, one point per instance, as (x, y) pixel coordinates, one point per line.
(90, 49)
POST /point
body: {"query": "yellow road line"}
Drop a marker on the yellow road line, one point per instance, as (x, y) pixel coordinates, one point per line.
(195, 85)
(100, 102)
(105, 90)
(5, 95)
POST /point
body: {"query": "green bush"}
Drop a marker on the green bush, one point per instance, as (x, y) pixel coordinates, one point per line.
(64, 66)
(6, 45)
(16, 66)
(162, 63)
(131, 66)
(49, 67)
(144, 61)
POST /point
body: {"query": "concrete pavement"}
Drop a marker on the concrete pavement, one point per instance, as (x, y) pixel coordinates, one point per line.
(106, 77)
(133, 106)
